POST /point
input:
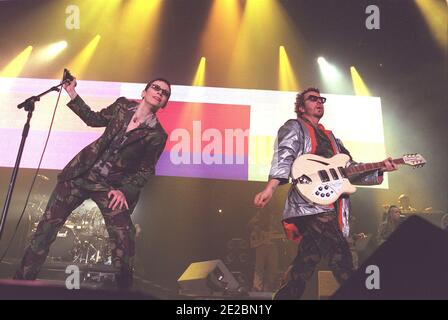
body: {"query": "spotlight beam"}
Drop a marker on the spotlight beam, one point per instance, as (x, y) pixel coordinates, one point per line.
(199, 77)
(80, 63)
(15, 67)
(358, 84)
(287, 81)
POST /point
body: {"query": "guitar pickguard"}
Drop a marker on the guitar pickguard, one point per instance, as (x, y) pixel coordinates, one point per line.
(320, 180)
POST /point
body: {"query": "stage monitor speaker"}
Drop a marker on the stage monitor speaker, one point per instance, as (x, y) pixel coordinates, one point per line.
(207, 278)
(411, 264)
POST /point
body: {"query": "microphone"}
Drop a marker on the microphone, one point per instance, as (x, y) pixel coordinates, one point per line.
(67, 77)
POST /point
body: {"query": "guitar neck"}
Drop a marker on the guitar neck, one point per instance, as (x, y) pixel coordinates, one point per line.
(366, 167)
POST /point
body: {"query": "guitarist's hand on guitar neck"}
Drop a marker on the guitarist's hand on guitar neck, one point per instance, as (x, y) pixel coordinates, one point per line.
(389, 165)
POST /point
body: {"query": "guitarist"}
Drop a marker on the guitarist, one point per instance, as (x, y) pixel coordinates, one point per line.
(319, 230)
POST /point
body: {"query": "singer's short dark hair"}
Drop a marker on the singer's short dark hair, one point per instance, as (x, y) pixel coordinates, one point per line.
(300, 99)
(158, 79)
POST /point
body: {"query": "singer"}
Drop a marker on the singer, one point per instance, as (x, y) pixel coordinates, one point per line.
(111, 171)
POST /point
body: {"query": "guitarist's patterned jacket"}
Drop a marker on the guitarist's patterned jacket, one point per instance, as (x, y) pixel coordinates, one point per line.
(137, 157)
(294, 139)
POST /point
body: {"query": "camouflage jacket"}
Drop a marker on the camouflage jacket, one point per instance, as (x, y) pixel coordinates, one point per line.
(137, 157)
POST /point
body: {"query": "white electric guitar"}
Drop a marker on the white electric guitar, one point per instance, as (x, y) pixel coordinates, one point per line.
(323, 180)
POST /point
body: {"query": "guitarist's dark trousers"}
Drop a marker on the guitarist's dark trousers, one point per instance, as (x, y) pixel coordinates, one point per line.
(322, 237)
(66, 197)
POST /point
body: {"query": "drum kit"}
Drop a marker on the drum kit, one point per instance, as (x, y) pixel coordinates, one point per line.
(82, 240)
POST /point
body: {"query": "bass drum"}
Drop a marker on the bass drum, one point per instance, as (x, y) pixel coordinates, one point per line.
(64, 248)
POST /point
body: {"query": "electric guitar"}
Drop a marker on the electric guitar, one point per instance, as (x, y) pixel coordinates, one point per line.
(323, 180)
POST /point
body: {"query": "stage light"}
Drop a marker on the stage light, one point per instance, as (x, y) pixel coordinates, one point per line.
(78, 65)
(99, 13)
(50, 51)
(328, 70)
(333, 79)
(286, 78)
(265, 25)
(139, 30)
(15, 67)
(226, 30)
(358, 84)
(199, 77)
(435, 13)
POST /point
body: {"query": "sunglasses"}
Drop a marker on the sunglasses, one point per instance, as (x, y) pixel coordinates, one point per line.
(316, 98)
(156, 87)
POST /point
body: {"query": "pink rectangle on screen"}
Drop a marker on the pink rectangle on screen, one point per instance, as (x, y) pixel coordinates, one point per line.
(198, 125)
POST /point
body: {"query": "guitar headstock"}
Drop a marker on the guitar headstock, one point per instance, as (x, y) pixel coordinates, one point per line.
(414, 159)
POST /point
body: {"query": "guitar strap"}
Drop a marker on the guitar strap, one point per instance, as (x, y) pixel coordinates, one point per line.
(342, 204)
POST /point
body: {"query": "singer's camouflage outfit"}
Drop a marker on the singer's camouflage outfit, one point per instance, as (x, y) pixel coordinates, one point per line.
(117, 160)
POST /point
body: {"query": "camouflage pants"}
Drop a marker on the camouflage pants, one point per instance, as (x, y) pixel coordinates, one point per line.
(66, 197)
(321, 238)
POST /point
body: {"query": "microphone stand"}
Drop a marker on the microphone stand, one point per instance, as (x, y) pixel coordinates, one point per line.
(27, 105)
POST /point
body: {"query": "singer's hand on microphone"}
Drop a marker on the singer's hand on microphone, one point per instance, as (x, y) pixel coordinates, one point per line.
(70, 88)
